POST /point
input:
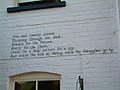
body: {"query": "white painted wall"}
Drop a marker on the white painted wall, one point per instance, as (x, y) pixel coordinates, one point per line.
(77, 28)
(119, 26)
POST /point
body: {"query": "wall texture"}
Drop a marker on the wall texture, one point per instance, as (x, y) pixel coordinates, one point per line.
(79, 39)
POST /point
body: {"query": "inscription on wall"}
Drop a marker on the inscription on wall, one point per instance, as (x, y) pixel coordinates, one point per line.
(42, 45)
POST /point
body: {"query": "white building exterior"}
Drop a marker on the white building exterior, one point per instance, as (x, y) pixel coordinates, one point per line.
(81, 39)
